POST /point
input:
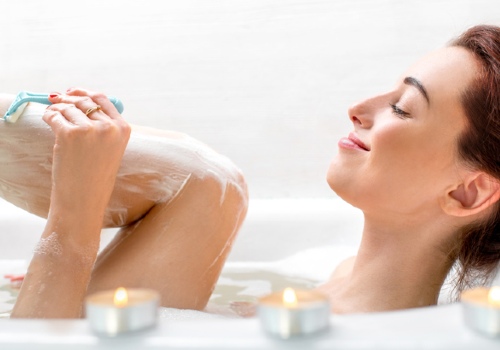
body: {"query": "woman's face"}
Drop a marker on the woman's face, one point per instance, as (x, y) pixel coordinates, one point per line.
(402, 154)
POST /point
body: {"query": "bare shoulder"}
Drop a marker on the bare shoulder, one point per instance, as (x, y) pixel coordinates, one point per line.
(337, 278)
(343, 269)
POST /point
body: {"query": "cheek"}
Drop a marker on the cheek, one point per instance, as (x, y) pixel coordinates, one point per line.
(411, 164)
(404, 144)
(394, 149)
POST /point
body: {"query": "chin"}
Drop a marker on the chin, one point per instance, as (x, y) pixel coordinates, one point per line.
(344, 184)
(338, 180)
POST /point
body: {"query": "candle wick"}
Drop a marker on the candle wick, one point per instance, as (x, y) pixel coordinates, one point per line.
(121, 297)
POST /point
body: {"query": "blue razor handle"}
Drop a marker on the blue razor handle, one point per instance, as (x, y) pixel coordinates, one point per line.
(22, 99)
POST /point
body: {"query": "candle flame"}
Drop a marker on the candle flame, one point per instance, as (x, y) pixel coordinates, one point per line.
(289, 297)
(121, 297)
(494, 296)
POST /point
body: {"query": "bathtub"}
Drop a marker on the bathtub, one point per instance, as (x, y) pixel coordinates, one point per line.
(289, 237)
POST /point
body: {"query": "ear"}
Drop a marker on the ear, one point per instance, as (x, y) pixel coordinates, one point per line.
(477, 192)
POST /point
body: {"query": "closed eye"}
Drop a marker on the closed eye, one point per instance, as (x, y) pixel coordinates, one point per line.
(398, 111)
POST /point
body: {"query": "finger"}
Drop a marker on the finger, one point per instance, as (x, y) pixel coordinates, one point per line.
(85, 104)
(99, 98)
(55, 120)
(71, 113)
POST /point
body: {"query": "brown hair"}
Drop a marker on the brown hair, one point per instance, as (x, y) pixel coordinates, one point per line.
(478, 248)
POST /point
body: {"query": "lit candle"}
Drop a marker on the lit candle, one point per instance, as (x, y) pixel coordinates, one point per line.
(292, 313)
(123, 310)
(482, 309)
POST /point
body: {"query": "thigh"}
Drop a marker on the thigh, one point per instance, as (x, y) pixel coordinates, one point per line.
(155, 166)
(26, 162)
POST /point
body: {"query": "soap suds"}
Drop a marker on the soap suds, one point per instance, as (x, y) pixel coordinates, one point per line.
(49, 245)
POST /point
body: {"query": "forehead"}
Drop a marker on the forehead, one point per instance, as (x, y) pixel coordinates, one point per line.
(445, 73)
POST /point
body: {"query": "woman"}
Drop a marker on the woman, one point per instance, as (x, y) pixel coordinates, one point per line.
(423, 164)
(178, 203)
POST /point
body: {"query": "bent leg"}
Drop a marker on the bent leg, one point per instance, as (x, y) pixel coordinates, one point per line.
(180, 204)
(154, 167)
(179, 247)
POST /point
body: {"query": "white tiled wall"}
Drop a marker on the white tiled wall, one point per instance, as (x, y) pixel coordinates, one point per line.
(266, 82)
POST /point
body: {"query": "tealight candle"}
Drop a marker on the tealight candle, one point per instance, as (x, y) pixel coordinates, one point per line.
(292, 313)
(482, 309)
(124, 310)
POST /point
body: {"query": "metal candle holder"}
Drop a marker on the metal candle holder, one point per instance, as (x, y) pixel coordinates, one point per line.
(309, 314)
(481, 311)
(109, 318)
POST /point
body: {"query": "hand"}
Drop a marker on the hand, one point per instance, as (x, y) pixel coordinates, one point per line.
(88, 150)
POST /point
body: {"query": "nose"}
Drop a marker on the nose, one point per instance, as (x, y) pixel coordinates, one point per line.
(362, 114)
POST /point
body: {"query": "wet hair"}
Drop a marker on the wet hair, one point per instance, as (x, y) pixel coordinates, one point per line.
(478, 246)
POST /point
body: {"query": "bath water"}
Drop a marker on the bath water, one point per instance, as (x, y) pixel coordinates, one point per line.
(236, 291)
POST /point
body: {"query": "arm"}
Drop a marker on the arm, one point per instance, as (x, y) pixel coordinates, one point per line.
(86, 157)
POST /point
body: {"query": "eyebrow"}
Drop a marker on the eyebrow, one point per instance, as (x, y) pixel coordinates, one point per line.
(415, 82)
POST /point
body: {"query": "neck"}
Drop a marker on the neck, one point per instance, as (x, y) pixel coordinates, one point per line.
(400, 264)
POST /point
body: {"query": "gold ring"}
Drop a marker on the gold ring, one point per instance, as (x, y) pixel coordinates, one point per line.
(92, 110)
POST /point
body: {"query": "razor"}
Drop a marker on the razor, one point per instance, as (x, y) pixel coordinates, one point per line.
(24, 97)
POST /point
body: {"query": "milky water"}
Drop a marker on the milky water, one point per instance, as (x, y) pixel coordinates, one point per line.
(236, 285)
(240, 283)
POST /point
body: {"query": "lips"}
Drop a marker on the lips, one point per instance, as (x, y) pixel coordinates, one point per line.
(358, 142)
(352, 142)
